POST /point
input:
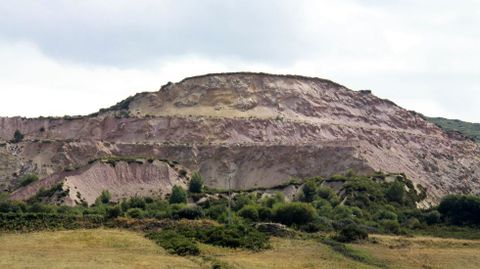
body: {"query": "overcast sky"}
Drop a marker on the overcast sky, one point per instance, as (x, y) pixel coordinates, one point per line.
(74, 57)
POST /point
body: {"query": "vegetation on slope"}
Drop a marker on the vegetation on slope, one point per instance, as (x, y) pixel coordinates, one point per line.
(466, 128)
(334, 211)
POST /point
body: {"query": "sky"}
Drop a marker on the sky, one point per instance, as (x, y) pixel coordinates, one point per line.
(69, 57)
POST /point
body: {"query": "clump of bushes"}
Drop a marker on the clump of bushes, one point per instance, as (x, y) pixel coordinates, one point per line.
(174, 242)
(351, 233)
(461, 209)
(294, 213)
(178, 196)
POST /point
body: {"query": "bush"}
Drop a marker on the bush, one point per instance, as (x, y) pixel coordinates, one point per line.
(135, 213)
(352, 233)
(265, 213)
(189, 212)
(432, 217)
(386, 215)
(391, 226)
(249, 212)
(104, 197)
(113, 212)
(232, 236)
(28, 179)
(237, 236)
(178, 196)
(396, 192)
(294, 213)
(309, 191)
(319, 224)
(461, 209)
(174, 243)
(196, 183)
(17, 137)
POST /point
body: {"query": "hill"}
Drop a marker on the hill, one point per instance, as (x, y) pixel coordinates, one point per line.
(259, 130)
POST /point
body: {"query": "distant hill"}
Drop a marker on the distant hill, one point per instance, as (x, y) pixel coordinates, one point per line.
(466, 128)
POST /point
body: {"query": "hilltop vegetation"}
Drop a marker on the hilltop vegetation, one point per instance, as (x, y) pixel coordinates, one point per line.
(468, 129)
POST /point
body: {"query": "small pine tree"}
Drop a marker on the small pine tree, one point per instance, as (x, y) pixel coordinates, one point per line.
(196, 183)
(179, 195)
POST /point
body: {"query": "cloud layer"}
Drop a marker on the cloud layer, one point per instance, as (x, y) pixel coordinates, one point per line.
(73, 57)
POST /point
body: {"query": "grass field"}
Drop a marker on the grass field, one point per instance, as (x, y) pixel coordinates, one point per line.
(103, 248)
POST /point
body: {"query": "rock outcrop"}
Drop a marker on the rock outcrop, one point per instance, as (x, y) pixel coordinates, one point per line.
(259, 130)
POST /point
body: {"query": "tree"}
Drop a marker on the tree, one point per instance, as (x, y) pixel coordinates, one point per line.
(196, 183)
(461, 209)
(309, 191)
(396, 192)
(17, 137)
(179, 195)
(104, 197)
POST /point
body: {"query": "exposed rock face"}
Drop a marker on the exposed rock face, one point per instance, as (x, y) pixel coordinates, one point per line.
(259, 130)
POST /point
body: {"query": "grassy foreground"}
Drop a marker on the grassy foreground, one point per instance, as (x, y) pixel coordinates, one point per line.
(102, 248)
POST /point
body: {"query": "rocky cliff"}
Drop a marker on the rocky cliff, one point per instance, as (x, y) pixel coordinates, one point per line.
(260, 130)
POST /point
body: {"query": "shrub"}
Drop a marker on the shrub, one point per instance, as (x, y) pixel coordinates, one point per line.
(461, 209)
(135, 213)
(17, 137)
(265, 213)
(351, 233)
(326, 193)
(249, 212)
(28, 179)
(104, 197)
(396, 192)
(174, 243)
(277, 198)
(196, 183)
(391, 226)
(294, 213)
(242, 200)
(189, 212)
(237, 236)
(432, 217)
(309, 191)
(178, 195)
(386, 215)
(113, 212)
(137, 202)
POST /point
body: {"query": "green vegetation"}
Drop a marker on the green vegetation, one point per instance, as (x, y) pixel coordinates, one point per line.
(340, 213)
(178, 196)
(28, 179)
(196, 183)
(174, 242)
(466, 128)
(17, 137)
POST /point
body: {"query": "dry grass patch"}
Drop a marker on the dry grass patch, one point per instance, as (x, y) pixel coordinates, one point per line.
(285, 254)
(424, 252)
